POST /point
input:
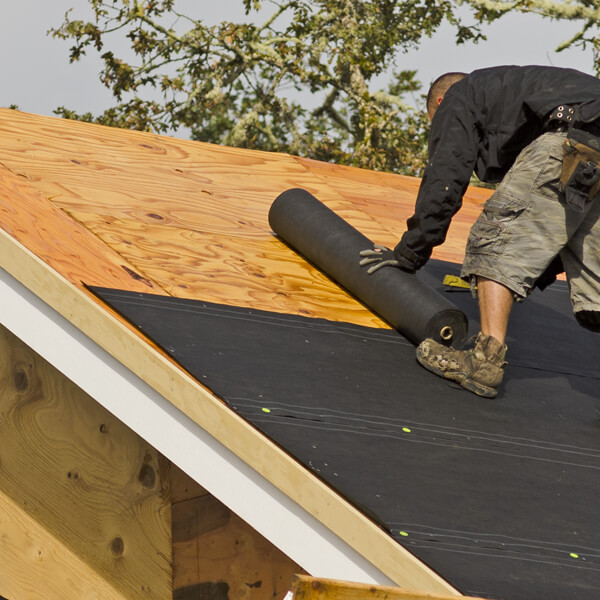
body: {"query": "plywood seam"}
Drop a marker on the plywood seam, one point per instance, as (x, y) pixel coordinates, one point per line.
(23, 206)
(140, 272)
(5, 166)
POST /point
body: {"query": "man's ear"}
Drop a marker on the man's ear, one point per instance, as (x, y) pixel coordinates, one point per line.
(439, 100)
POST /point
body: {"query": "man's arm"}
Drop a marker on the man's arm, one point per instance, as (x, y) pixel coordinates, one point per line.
(453, 148)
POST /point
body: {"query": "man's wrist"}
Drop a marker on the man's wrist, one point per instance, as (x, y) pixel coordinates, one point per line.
(409, 260)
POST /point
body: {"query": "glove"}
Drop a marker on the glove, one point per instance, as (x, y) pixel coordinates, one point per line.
(380, 257)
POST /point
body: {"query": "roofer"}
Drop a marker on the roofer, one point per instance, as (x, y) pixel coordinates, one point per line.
(533, 130)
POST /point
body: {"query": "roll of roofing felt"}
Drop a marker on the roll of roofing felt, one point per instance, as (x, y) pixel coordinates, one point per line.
(333, 245)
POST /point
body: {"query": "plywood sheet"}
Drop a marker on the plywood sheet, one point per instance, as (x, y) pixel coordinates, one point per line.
(248, 271)
(153, 200)
(213, 549)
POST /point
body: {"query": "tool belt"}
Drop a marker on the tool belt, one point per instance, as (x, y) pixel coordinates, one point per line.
(580, 176)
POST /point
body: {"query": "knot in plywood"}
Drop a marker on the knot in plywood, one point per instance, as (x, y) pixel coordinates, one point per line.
(21, 380)
(147, 476)
(117, 547)
(73, 476)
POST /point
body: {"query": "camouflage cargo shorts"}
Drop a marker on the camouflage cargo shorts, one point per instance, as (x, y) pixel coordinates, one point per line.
(526, 223)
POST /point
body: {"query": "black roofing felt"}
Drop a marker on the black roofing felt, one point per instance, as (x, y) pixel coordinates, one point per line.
(501, 497)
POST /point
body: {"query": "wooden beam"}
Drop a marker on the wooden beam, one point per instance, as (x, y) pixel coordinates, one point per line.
(34, 564)
(82, 475)
(310, 588)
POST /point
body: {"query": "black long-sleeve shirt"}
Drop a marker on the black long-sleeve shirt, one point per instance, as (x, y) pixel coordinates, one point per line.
(482, 124)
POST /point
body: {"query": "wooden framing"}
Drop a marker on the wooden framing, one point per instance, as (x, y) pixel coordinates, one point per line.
(311, 588)
(218, 555)
(97, 489)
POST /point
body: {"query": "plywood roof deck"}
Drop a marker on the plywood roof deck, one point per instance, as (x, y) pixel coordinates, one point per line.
(169, 216)
(82, 204)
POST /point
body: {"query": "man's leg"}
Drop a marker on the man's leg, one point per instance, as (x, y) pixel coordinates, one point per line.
(495, 304)
(581, 260)
(479, 369)
(523, 225)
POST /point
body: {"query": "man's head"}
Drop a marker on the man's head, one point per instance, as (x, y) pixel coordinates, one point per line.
(438, 90)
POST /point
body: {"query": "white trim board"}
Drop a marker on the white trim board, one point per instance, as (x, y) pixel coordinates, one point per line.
(273, 514)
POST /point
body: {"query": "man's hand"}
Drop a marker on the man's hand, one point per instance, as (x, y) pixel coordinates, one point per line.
(380, 257)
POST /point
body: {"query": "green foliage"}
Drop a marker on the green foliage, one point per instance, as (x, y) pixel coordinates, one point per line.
(585, 12)
(303, 80)
(239, 83)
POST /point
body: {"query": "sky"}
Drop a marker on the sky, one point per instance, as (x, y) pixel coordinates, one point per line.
(37, 75)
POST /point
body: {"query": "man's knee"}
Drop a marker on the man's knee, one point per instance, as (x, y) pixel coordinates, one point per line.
(589, 319)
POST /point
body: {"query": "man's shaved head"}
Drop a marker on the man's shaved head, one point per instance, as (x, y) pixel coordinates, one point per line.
(438, 90)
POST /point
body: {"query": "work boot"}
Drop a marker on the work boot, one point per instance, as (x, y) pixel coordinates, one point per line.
(478, 369)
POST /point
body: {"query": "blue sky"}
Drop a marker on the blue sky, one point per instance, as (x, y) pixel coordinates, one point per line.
(37, 76)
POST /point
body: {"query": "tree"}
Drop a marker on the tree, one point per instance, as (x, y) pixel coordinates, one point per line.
(235, 83)
(239, 83)
(586, 11)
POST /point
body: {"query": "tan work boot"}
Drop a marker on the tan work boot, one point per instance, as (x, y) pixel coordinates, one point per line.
(478, 369)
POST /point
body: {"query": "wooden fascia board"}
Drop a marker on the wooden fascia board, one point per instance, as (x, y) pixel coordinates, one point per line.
(281, 499)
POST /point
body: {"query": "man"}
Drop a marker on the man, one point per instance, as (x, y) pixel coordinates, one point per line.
(508, 124)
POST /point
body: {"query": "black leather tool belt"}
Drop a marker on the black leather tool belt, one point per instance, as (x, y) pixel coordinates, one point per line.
(580, 177)
(560, 118)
